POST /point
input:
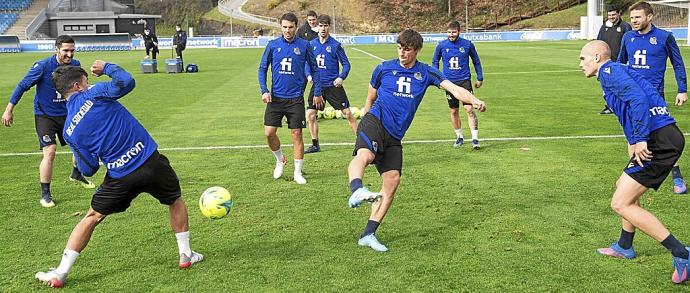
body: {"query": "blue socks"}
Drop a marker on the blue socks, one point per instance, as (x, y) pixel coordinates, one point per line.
(355, 184)
(370, 228)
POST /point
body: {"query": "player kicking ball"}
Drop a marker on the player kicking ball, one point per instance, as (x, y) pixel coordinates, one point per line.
(100, 128)
(655, 144)
(395, 91)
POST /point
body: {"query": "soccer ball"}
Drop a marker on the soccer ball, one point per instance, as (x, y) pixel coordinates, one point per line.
(355, 112)
(329, 113)
(338, 114)
(319, 114)
(215, 202)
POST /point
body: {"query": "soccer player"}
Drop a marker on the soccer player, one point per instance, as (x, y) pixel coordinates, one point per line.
(395, 91)
(654, 143)
(49, 112)
(646, 49)
(612, 33)
(329, 55)
(287, 56)
(456, 53)
(100, 128)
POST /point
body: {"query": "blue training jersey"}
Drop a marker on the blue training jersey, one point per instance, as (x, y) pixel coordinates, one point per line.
(399, 91)
(456, 59)
(287, 61)
(329, 56)
(47, 101)
(98, 127)
(647, 55)
(637, 104)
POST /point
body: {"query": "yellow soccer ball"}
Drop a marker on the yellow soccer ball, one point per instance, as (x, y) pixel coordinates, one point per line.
(215, 202)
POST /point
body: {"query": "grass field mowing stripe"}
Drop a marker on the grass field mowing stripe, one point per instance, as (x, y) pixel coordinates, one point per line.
(231, 147)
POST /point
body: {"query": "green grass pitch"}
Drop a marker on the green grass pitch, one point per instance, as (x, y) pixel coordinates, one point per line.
(518, 215)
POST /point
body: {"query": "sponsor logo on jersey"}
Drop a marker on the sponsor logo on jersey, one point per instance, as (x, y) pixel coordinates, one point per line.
(127, 157)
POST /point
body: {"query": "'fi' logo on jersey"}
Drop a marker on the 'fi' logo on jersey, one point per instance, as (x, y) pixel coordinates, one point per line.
(652, 40)
(418, 75)
(296, 50)
(328, 49)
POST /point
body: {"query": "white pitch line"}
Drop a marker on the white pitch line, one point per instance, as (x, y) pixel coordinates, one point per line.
(234, 147)
(489, 73)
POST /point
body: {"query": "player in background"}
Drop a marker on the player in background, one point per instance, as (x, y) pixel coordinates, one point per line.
(309, 30)
(329, 55)
(49, 113)
(127, 151)
(612, 33)
(287, 56)
(654, 143)
(396, 89)
(645, 49)
(456, 53)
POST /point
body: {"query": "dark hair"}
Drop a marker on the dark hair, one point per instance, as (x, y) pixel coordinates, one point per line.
(291, 17)
(63, 39)
(454, 25)
(641, 5)
(311, 13)
(613, 8)
(410, 38)
(65, 76)
(323, 18)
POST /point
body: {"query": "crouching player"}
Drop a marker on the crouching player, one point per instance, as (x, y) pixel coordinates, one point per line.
(99, 128)
(655, 144)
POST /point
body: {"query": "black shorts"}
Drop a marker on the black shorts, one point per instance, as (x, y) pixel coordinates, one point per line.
(155, 177)
(454, 103)
(335, 96)
(49, 129)
(666, 145)
(373, 136)
(293, 109)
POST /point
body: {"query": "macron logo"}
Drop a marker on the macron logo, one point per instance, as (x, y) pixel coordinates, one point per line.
(124, 159)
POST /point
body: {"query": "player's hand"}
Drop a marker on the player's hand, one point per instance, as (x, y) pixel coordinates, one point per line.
(266, 97)
(7, 118)
(174, 46)
(97, 67)
(338, 82)
(155, 44)
(478, 84)
(681, 98)
(318, 102)
(308, 78)
(642, 153)
(479, 105)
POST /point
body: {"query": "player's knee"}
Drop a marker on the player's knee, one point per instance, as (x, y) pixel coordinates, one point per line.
(49, 153)
(454, 111)
(269, 133)
(618, 205)
(469, 111)
(296, 134)
(93, 217)
(393, 178)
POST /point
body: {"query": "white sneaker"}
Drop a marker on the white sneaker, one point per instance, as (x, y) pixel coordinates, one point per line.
(299, 178)
(51, 278)
(362, 194)
(47, 201)
(371, 241)
(188, 261)
(280, 165)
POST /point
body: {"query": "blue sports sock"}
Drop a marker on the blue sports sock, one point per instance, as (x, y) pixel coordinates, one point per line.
(355, 184)
(370, 228)
(626, 239)
(45, 189)
(676, 172)
(676, 248)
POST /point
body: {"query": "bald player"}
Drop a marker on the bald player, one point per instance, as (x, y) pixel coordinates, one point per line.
(654, 144)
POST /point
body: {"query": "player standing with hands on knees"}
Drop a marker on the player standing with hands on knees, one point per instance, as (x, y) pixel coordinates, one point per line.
(654, 143)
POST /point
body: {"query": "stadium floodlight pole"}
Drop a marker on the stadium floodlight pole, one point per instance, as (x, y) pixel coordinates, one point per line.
(467, 17)
(232, 14)
(448, 8)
